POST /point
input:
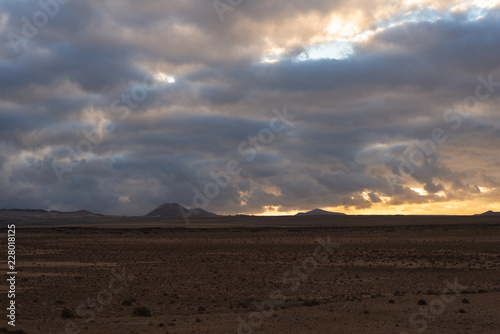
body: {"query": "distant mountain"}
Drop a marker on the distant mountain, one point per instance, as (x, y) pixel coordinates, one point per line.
(26, 210)
(319, 212)
(176, 210)
(489, 213)
(79, 212)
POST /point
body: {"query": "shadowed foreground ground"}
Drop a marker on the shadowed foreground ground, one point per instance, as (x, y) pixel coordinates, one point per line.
(380, 279)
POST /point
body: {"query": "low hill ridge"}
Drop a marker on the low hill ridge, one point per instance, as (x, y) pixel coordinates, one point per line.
(79, 212)
(319, 212)
(489, 213)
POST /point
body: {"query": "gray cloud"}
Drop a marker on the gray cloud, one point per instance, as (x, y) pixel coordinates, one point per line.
(355, 120)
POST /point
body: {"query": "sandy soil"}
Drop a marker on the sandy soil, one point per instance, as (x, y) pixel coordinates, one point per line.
(399, 279)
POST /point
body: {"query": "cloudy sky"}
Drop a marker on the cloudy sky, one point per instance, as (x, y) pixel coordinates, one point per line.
(250, 106)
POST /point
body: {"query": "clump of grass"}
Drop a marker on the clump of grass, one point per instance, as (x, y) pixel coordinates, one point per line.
(366, 312)
(391, 301)
(422, 302)
(142, 311)
(465, 301)
(462, 310)
(310, 302)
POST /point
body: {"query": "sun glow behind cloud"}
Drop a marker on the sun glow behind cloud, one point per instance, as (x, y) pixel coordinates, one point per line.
(163, 77)
(346, 30)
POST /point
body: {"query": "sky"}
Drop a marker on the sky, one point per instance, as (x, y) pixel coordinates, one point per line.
(250, 106)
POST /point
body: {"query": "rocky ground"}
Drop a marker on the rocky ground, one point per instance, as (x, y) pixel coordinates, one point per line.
(362, 279)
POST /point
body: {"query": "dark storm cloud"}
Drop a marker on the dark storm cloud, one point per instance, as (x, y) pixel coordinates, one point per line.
(355, 121)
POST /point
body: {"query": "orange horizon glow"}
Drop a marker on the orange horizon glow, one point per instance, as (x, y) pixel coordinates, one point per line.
(463, 208)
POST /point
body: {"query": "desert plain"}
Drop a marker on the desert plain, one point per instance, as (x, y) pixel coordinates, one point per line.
(351, 274)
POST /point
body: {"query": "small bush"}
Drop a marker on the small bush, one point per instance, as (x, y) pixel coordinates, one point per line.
(5, 330)
(67, 313)
(462, 310)
(142, 311)
(422, 302)
(465, 301)
(366, 312)
(391, 301)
